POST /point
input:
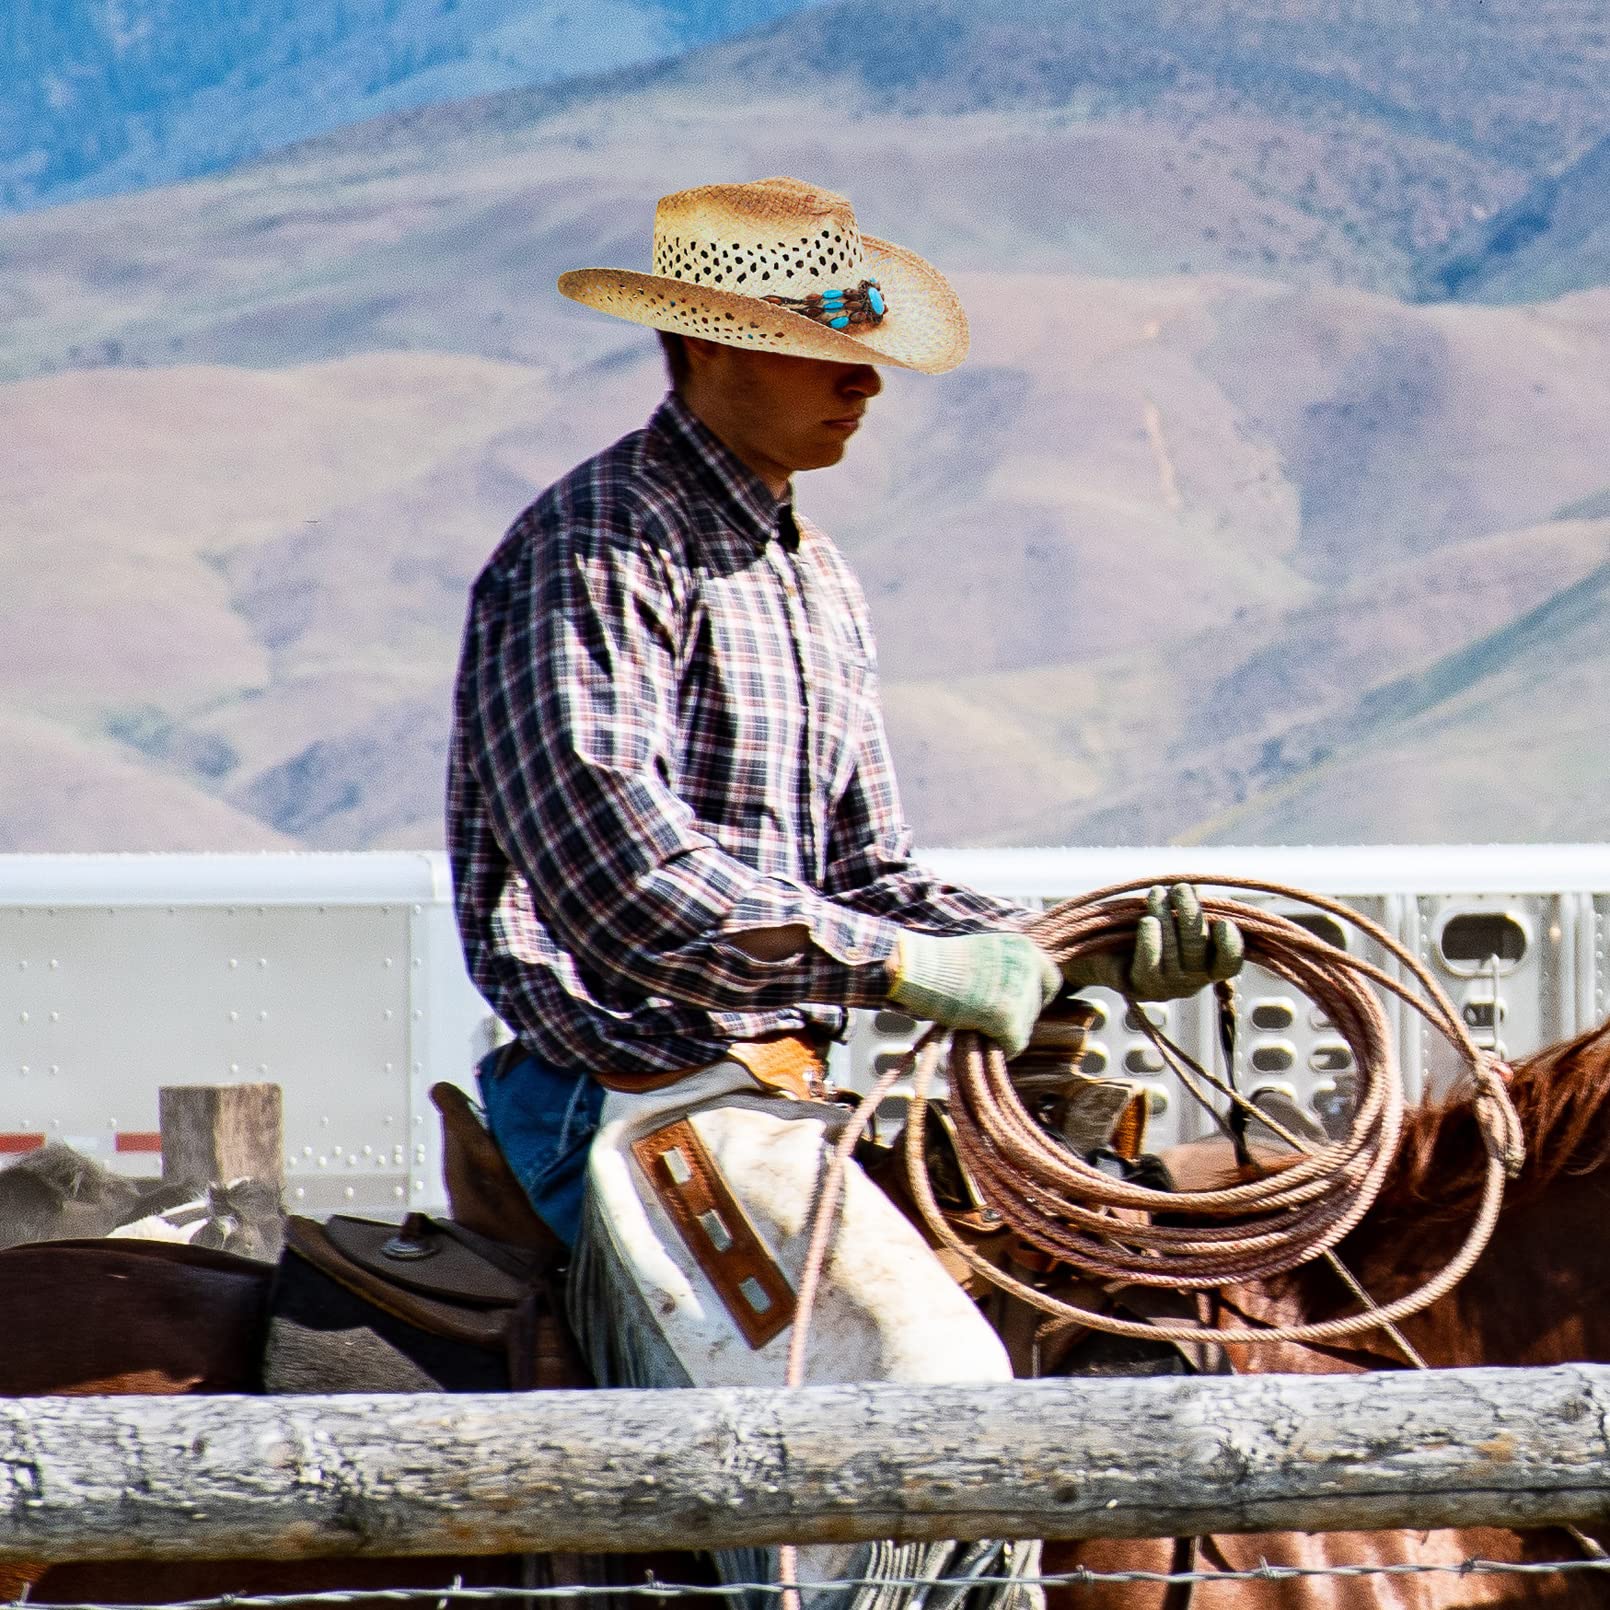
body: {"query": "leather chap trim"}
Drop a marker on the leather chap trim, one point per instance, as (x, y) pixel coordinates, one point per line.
(716, 1230)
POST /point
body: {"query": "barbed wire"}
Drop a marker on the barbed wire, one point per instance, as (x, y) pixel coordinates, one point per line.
(653, 1588)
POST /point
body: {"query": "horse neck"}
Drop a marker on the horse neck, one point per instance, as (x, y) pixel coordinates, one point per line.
(1536, 1295)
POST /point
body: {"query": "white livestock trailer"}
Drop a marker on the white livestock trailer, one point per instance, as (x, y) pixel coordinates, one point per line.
(339, 977)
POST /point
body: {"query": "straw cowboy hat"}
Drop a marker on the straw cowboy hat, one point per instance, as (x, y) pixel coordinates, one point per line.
(780, 265)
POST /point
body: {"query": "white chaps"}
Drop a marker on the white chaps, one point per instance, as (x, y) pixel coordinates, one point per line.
(648, 1313)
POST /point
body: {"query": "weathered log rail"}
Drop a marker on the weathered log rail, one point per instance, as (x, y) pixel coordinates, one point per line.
(198, 1477)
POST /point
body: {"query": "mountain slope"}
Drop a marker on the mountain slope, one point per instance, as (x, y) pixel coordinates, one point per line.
(1125, 139)
(1555, 239)
(455, 244)
(97, 99)
(62, 791)
(1086, 554)
(1266, 727)
(1458, 748)
(1195, 540)
(1360, 136)
(1256, 146)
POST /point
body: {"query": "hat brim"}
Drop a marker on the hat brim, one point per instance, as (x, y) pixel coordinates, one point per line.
(924, 329)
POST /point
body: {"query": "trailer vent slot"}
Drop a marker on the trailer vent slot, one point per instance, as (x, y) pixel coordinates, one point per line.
(1473, 938)
(1276, 1058)
(1322, 926)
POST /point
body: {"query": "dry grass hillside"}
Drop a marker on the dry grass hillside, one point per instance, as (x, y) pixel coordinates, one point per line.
(1214, 536)
(1113, 601)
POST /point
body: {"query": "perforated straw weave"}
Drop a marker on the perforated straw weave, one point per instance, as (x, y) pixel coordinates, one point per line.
(720, 250)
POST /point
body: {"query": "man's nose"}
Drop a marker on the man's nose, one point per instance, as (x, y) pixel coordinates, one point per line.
(861, 381)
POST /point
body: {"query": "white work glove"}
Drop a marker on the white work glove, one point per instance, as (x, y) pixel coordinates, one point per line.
(996, 983)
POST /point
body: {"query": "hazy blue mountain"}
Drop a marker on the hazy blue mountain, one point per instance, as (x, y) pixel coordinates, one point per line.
(102, 96)
(1555, 239)
(1423, 111)
(1521, 79)
(1361, 137)
(1127, 140)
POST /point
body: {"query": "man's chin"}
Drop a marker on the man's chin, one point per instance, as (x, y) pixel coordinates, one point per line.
(821, 454)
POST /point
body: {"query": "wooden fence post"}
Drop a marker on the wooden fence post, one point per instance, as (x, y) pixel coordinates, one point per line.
(216, 1133)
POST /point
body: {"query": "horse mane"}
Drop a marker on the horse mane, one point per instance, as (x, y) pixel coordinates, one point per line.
(1560, 1095)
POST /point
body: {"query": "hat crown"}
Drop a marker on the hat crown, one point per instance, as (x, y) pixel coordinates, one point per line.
(776, 237)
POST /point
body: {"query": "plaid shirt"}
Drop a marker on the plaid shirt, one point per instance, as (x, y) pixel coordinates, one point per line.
(667, 733)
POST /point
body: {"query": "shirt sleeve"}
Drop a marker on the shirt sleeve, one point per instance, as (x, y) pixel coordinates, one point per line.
(571, 715)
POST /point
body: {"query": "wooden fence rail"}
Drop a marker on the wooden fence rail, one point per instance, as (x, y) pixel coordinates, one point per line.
(189, 1478)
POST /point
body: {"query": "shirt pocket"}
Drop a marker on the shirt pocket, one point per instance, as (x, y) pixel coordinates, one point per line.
(742, 713)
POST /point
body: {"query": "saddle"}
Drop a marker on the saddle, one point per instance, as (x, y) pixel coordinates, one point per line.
(487, 1278)
(1095, 1117)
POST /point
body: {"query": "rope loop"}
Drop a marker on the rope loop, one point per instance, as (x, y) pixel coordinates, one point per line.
(1110, 1231)
(1117, 1232)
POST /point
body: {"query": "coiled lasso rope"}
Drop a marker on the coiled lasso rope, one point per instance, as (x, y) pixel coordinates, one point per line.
(1103, 1227)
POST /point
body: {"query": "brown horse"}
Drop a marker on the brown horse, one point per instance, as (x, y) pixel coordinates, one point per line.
(1536, 1296)
(111, 1317)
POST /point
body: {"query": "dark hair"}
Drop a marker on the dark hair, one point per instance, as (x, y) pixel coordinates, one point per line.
(675, 351)
(676, 357)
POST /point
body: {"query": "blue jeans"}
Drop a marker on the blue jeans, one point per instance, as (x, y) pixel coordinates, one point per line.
(543, 1119)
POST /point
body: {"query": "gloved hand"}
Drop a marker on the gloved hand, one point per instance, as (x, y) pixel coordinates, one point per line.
(1176, 953)
(996, 983)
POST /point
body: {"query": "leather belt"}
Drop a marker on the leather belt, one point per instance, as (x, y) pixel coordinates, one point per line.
(789, 1064)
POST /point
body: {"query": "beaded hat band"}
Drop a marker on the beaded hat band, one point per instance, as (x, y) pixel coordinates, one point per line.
(782, 266)
(839, 310)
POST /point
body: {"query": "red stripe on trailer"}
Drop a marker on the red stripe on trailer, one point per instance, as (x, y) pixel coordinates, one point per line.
(138, 1140)
(21, 1143)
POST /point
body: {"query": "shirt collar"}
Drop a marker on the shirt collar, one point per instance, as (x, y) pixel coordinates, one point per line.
(742, 495)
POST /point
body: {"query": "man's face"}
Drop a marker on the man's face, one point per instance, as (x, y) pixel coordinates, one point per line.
(779, 414)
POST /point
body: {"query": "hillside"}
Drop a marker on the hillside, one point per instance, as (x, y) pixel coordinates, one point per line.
(1252, 149)
(59, 791)
(1343, 143)
(1555, 239)
(98, 99)
(1459, 746)
(1151, 644)
(1215, 535)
